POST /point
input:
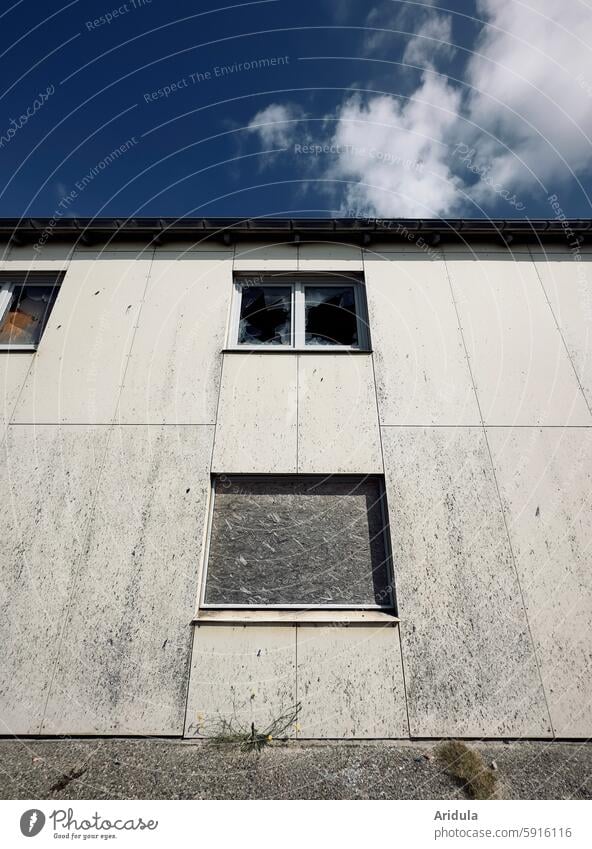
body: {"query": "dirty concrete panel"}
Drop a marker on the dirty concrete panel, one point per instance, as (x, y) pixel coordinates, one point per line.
(241, 674)
(467, 250)
(13, 371)
(470, 668)
(378, 251)
(141, 249)
(350, 682)
(422, 373)
(337, 417)
(545, 477)
(49, 257)
(257, 412)
(275, 257)
(123, 664)
(78, 369)
(521, 370)
(568, 286)
(329, 256)
(174, 368)
(185, 246)
(48, 480)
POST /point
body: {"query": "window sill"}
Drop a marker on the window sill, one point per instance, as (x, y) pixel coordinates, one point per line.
(283, 349)
(295, 617)
(18, 348)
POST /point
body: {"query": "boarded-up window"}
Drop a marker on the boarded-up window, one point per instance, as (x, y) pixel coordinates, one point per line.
(298, 541)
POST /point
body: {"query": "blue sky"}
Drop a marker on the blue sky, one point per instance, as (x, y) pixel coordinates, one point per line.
(319, 108)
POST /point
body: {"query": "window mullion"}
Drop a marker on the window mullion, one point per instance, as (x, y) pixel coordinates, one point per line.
(298, 315)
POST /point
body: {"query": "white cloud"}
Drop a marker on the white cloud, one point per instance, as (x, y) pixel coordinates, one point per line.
(533, 90)
(525, 114)
(275, 124)
(434, 38)
(387, 22)
(393, 155)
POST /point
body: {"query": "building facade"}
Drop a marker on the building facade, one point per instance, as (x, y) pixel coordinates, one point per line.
(329, 478)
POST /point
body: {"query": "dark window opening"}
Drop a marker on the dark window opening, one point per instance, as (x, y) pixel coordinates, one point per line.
(265, 315)
(330, 315)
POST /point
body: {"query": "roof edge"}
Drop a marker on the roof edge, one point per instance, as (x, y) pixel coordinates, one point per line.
(364, 231)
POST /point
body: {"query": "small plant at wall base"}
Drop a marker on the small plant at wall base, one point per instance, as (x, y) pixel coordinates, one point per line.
(467, 766)
(222, 732)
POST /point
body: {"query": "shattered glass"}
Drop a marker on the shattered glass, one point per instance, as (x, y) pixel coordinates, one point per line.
(27, 314)
(330, 316)
(265, 316)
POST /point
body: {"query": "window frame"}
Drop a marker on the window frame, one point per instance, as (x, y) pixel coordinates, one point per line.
(8, 283)
(298, 284)
(389, 607)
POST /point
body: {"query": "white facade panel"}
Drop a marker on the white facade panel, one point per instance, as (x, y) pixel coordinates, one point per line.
(350, 683)
(13, 371)
(78, 370)
(422, 373)
(545, 478)
(337, 416)
(48, 480)
(241, 675)
(124, 658)
(470, 667)
(173, 374)
(40, 257)
(329, 256)
(521, 370)
(568, 286)
(257, 413)
(250, 256)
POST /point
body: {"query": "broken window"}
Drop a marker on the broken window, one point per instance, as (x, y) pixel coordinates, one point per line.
(298, 541)
(330, 315)
(328, 312)
(24, 310)
(265, 315)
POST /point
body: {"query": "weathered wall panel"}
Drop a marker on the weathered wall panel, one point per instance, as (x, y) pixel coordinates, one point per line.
(251, 256)
(329, 257)
(337, 416)
(545, 477)
(48, 257)
(568, 286)
(174, 367)
(522, 373)
(257, 412)
(13, 371)
(48, 480)
(470, 668)
(422, 373)
(350, 682)
(77, 372)
(124, 659)
(241, 674)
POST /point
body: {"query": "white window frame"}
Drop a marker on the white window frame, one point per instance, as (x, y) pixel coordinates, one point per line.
(298, 313)
(387, 607)
(7, 287)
